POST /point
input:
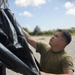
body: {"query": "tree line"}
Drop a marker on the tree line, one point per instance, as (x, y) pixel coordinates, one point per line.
(37, 31)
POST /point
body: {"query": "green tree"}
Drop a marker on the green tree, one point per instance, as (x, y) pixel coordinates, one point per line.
(37, 30)
(26, 29)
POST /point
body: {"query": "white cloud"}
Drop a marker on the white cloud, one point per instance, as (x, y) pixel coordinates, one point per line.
(26, 13)
(71, 11)
(30, 2)
(70, 6)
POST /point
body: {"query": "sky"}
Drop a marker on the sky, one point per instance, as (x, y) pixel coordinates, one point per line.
(47, 14)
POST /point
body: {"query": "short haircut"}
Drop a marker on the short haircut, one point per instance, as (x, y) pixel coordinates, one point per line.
(66, 35)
